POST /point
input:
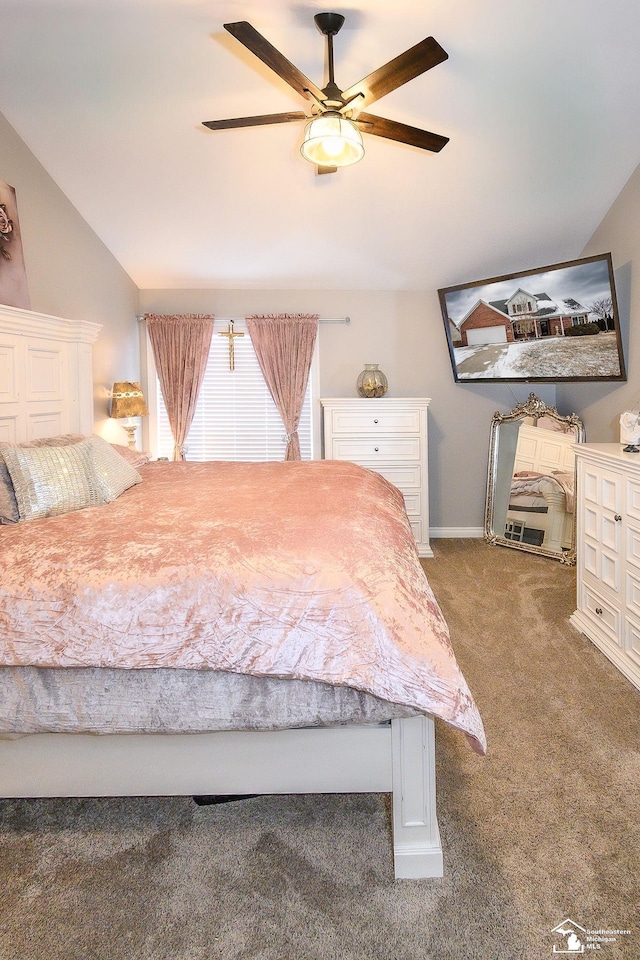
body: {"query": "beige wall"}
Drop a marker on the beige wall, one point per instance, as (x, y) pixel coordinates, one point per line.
(600, 404)
(70, 273)
(404, 333)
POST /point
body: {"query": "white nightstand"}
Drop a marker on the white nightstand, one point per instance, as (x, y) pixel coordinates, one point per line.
(608, 547)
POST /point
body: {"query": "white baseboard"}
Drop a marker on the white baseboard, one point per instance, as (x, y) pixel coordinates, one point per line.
(436, 533)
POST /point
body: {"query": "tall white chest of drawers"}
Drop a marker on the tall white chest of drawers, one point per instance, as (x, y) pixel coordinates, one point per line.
(608, 548)
(389, 435)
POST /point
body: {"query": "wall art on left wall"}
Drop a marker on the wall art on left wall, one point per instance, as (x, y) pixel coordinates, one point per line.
(13, 278)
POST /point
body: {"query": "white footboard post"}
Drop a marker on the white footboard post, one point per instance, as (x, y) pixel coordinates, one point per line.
(556, 511)
(416, 838)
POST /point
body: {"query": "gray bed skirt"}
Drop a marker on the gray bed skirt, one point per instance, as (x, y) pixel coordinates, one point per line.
(99, 700)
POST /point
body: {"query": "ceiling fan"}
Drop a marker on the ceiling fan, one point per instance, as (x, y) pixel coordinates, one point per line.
(333, 133)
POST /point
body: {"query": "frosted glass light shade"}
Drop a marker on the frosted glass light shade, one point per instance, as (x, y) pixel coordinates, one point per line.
(331, 140)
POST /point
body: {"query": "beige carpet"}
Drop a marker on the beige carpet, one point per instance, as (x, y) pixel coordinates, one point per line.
(546, 827)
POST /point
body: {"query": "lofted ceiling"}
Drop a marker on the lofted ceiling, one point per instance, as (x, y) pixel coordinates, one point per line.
(540, 99)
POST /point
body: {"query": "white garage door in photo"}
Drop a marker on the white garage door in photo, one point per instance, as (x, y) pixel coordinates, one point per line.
(486, 335)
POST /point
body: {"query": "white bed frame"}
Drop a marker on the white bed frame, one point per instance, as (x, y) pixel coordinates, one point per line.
(46, 389)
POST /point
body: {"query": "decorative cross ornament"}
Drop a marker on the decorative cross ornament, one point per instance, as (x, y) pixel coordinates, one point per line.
(231, 335)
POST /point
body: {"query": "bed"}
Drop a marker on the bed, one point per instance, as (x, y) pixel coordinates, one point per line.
(177, 639)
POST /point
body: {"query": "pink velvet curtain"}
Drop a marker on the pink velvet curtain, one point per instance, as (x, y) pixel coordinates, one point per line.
(180, 344)
(284, 345)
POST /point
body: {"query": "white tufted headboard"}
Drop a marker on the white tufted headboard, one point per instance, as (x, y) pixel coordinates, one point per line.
(46, 379)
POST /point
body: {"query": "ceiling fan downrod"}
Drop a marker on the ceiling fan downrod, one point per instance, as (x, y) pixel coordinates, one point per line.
(329, 24)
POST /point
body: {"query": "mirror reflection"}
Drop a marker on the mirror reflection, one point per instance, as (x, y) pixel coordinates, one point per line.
(531, 480)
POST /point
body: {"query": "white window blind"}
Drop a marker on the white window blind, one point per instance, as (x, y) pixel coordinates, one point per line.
(236, 418)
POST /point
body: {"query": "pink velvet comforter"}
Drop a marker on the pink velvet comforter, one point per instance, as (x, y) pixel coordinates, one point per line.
(293, 570)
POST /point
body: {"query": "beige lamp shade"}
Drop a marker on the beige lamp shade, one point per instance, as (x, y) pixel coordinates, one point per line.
(127, 400)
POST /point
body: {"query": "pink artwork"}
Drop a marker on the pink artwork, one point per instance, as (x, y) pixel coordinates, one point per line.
(13, 277)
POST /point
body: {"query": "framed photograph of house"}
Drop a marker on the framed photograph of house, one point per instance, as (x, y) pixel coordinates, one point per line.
(13, 277)
(552, 324)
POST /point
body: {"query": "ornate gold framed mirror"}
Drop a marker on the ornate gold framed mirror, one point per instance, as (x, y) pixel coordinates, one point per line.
(531, 480)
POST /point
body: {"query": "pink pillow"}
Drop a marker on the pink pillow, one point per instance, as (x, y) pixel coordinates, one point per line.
(134, 457)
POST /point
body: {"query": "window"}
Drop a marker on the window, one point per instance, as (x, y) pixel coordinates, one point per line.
(236, 418)
(522, 306)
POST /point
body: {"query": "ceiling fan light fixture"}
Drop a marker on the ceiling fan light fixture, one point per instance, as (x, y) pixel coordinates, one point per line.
(331, 140)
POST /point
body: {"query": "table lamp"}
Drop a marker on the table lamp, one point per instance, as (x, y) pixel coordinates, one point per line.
(127, 400)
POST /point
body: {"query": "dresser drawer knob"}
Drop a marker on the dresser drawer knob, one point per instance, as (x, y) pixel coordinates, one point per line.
(375, 421)
(617, 518)
(599, 611)
(376, 449)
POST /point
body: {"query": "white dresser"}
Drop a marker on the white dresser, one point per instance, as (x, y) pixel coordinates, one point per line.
(389, 435)
(608, 547)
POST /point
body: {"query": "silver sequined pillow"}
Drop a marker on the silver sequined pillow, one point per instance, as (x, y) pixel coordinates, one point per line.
(8, 506)
(113, 473)
(48, 481)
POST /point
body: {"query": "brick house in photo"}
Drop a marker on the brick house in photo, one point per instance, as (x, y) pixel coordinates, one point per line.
(524, 316)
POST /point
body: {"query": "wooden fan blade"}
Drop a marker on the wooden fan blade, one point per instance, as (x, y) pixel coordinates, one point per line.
(418, 59)
(256, 43)
(392, 130)
(254, 121)
(321, 170)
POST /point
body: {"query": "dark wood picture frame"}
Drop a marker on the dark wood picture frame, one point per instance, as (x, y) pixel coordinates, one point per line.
(552, 324)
